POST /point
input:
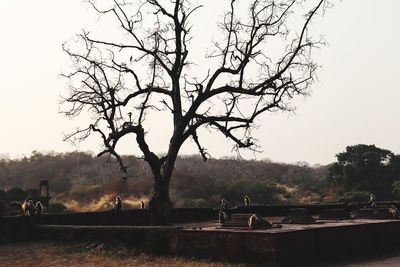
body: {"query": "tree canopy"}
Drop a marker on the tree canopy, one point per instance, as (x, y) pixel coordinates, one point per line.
(366, 168)
(245, 80)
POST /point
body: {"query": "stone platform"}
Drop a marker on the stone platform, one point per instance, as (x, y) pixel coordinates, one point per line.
(291, 245)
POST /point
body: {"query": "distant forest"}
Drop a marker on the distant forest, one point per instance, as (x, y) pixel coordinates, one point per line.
(81, 177)
(83, 181)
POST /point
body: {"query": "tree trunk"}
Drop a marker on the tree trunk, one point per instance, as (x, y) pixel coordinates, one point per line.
(160, 204)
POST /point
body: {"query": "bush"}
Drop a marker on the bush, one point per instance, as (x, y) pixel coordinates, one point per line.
(85, 193)
(57, 208)
(355, 196)
(259, 192)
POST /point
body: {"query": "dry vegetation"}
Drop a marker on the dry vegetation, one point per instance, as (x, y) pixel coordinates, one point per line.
(85, 254)
(61, 254)
(84, 182)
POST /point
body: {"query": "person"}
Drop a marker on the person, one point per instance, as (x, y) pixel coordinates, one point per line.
(141, 205)
(246, 200)
(372, 201)
(256, 222)
(38, 208)
(118, 204)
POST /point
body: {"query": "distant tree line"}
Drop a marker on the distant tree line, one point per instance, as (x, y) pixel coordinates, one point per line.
(364, 169)
(84, 177)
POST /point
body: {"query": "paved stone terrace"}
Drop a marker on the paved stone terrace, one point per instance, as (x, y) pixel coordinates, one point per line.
(292, 244)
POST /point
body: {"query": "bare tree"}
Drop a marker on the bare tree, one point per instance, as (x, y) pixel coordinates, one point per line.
(109, 82)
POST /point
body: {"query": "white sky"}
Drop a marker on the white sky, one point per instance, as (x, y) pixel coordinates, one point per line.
(356, 99)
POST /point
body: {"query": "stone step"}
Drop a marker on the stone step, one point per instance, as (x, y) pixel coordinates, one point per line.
(334, 214)
(298, 216)
(374, 213)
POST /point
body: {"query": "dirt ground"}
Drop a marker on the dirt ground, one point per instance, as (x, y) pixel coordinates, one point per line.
(40, 254)
(386, 261)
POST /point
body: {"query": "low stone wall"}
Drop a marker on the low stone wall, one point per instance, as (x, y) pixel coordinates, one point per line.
(158, 239)
(178, 215)
(313, 209)
(124, 217)
(20, 228)
(292, 248)
(287, 246)
(282, 210)
(16, 229)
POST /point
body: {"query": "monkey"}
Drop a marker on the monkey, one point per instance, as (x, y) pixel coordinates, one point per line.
(141, 205)
(246, 200)
(224, 204)
(28, 208)
(255, 222)
(25, 207)
(225, 207)
(222, 217)
(38, 208)
(118, 204)
(372, 201)
(31, 208)
(393, 211)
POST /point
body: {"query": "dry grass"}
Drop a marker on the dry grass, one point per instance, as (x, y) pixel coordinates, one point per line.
(38, 254)
(105, 202)
(60, 254)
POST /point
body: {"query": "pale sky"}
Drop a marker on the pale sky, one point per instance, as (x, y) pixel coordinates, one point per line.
(355, 100)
